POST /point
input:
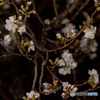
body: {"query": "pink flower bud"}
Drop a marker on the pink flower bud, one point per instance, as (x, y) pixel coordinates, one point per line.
(72, 31)
(20, 17)
(29, 2)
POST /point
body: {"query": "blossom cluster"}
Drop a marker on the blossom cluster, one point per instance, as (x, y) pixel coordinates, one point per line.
(90, 33)
(68, 26)
(69, 30)
(15, 25)
(50, 88)
(48, 21)
(66, 62)
(71, 34)
(32, 95)
(24, 10)
(94, 77)
(89, 47)
(67, 88)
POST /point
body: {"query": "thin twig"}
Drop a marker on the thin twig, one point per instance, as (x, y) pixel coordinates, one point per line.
(40, 48)
(82, 6)
(20, 49)
(5, 47)
(13, 3)
(25, 18)
(12, 54)
(92, 89)
(55, 8)
(78, 98)
(53, 74)
(82, 84)
(39, 18)
(66, 12)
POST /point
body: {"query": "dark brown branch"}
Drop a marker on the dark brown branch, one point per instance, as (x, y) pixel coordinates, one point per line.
(11, 53)
(42, 70)
(19, 47)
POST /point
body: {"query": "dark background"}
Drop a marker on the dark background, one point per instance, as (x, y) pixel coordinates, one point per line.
(17, 73)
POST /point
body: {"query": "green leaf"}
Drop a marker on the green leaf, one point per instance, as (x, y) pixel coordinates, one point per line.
(98, 8)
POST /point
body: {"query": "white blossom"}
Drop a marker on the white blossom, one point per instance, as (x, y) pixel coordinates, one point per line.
(29, 2)
(95, 75)
(37, 95)
(48, 88)
(96, 78)
(92, 72)
(68, 63)
(83, 43)
(65, 84)
(6, 6)
(5, 43)
(64, 71)
(22, 29)
(73, 65)
(95, 43)
(75, 89)
(47, 21)
(58, 35)
(7, 38)
(9, 41)
(71, 1)
(67, 88)
(45, 84)
(28, 16)
(67, 28)
(96, 1)
(63, 94)
(90, 33)
(93, 55)
(73, 35)
(67, 56)
(31, 47)
(10, 24)
(32, 94)
(93, 48)
(64, 21)
(61, 62)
